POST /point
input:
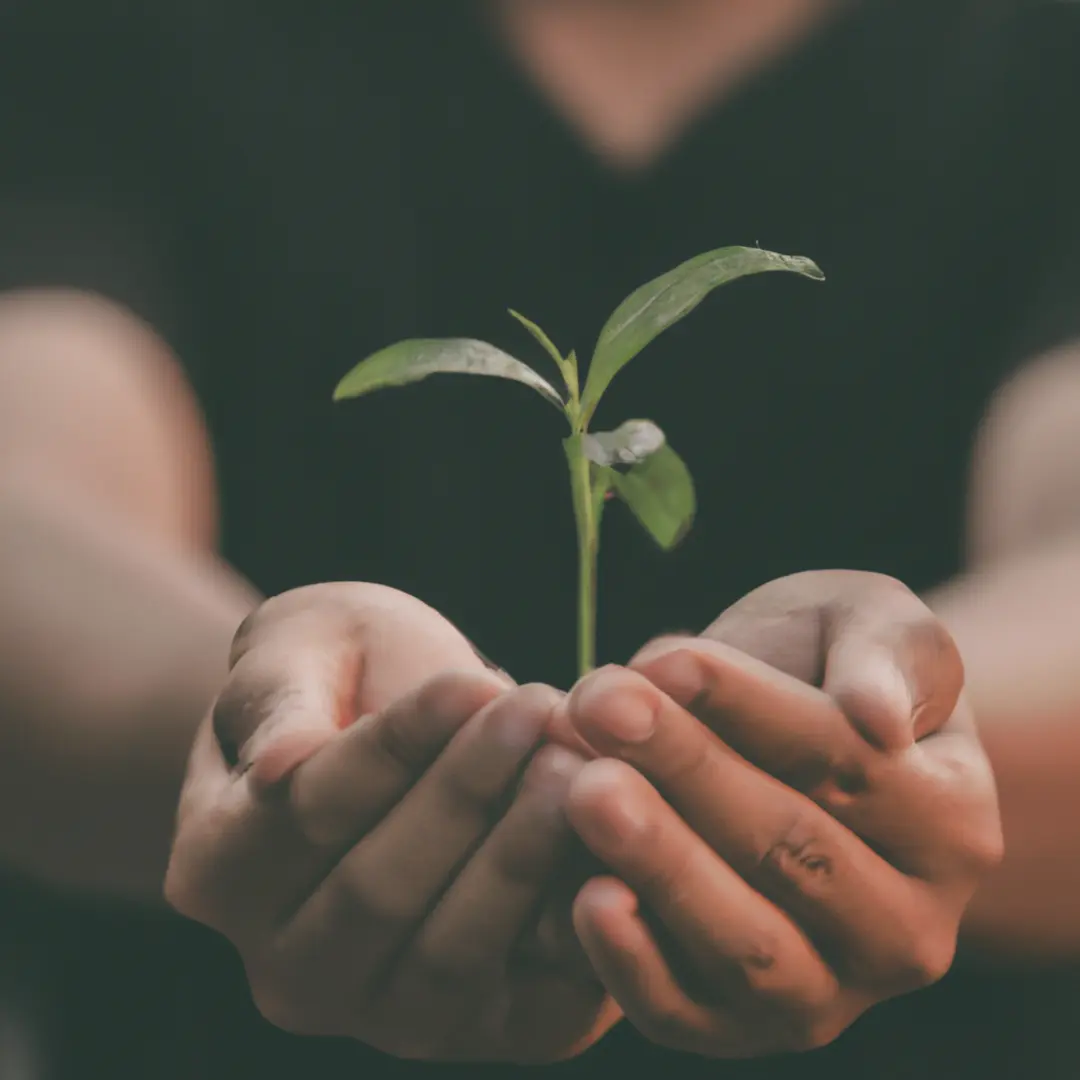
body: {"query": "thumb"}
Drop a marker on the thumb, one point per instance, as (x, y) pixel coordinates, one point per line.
(310, 662)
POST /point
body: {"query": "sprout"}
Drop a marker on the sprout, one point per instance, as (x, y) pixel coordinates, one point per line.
(634, 462)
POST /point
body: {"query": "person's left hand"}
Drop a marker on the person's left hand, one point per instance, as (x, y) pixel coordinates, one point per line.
(781, 857)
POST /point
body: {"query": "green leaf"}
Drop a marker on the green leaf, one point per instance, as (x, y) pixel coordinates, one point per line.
(567, 365)
(650, 310)
(411, 361)
(660, 492)
(540, 336)
(637, 464)
(628, 444)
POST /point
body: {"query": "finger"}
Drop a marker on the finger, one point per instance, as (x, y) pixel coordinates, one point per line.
(345, 789)
(463, 948)
(865, 638)
(788, 728)
(245, 859)
(553, 943)
(632, 963)
(871, 921)
(280, 706)
(732, 937)
(561, 732)
(208, 784)
(309, 662)
(892, 667)
(629, 962)
(382, 889)
(927, 808)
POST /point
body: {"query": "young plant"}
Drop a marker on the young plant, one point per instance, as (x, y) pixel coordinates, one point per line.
(634, 462)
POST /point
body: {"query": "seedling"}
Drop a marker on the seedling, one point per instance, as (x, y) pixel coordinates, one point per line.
(635, 461)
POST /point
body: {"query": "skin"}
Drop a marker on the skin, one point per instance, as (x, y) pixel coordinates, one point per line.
(115, 615)
(628, 78)
(107, 505)
(353, 822)
(378, 874)
(781, 856)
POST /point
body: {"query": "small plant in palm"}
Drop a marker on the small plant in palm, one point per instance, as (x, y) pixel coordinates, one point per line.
(635, 462)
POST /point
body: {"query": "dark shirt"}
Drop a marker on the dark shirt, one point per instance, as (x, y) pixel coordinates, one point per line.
(282, 188)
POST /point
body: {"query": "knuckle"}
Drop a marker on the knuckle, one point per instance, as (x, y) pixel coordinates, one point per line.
(666, 1025)
(969, 840)
(754, 972)
(799, 858)
(835, 782)
(929, 960)
(193, 889)
(984, 847)
(183, 898)
(781, 988)
(924, 951)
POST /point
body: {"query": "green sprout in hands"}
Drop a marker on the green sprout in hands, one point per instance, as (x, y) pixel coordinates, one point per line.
(634, 462)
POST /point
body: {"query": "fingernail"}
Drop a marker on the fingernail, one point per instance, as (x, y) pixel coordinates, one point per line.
(561, 763)
(517, 731)
(552, 772)
(609, 894)
(606, 711)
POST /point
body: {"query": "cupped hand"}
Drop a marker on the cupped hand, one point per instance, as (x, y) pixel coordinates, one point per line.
(795, 811)
(371, 818)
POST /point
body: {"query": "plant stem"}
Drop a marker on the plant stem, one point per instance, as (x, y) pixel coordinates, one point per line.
(588, 551)
(586, 516)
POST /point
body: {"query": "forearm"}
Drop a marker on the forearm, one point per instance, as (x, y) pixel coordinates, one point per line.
(1018, 628)
(111, 648)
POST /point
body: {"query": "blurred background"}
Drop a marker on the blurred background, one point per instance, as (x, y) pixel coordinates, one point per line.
(210, 211)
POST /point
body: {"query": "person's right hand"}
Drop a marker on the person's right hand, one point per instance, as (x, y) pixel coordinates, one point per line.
(371, 818)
